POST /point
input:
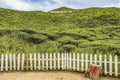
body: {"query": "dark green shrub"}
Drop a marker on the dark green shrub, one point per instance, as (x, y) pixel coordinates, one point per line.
(7, 31)
(28, 31)
(68, 48)
(51, 36)
(23, 35)
(37, 38)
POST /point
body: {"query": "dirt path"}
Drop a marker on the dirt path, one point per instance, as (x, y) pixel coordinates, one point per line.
(46, 76)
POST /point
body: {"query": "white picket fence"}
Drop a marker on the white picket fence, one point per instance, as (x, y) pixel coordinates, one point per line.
(59, 61)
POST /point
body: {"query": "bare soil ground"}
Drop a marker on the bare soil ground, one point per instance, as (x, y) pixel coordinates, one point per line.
(55, 75)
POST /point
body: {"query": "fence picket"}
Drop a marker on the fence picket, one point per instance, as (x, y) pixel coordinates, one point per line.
(70, 61)
(2, 62)
(46, 61)
(95, 59)
(54, 61)
(6, 63)
(10, 61)
(14, 61)
(86, 62)
(18, 65)
(35, 61)
(82, 62)
(78, 61)
(63, 61)
(100, 60)
(110, 64)
(39, 61)
(31, 62)
(116, 65)
(23, 60)
(50, 61)
(73, 61)
(67, 61)
(91, 59)
(105, 64)
(58, 61)
(43, 66)
(26, 58)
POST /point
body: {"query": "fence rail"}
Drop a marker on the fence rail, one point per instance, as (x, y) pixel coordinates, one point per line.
(59, 61)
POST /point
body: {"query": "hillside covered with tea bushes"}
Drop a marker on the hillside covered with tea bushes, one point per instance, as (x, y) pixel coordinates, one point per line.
(91, 30)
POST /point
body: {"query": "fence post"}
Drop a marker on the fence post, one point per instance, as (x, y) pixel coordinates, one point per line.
(23, 57)
(78, 61)
(2, 62)
(6, 60)
(39, 61)
(110, 64)
(105, 64)
(116, 65)
(10, 61)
